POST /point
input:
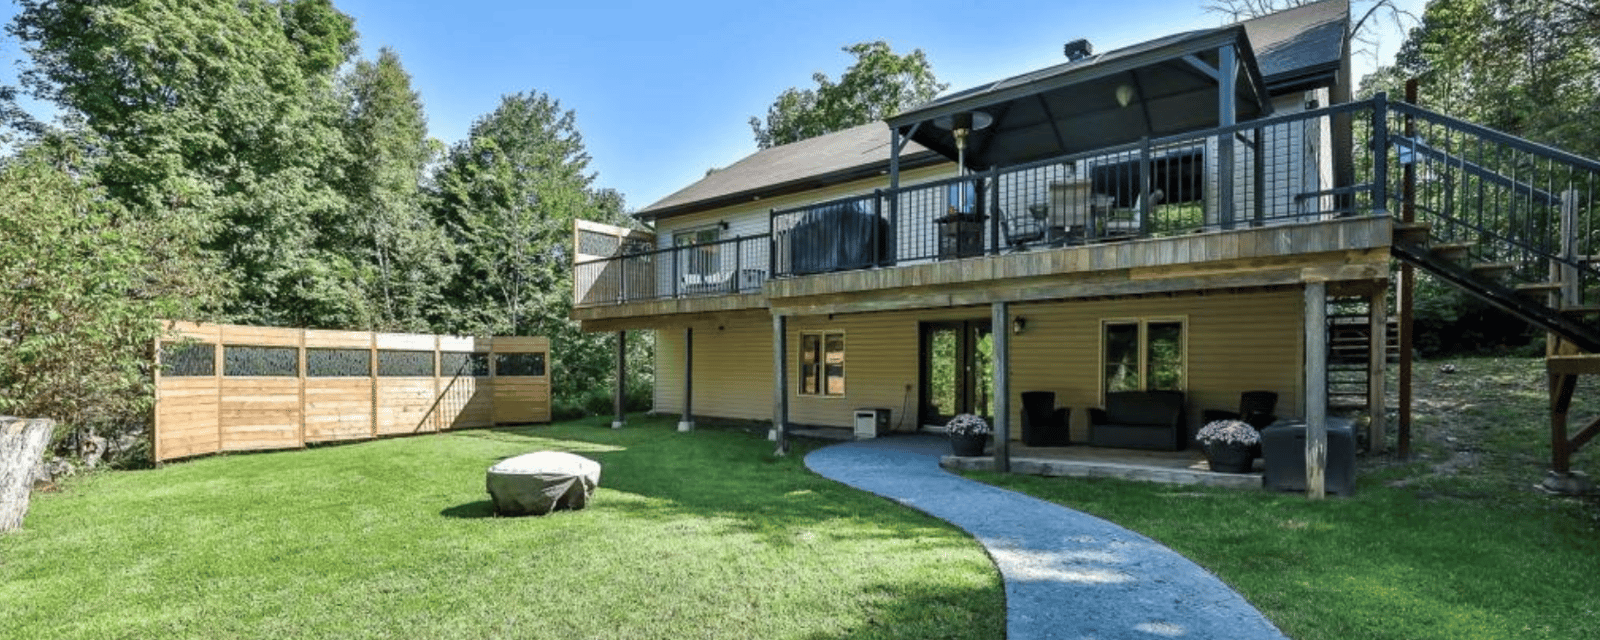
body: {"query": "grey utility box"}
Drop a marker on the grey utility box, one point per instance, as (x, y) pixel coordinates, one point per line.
(871, 423)
(1283, 445)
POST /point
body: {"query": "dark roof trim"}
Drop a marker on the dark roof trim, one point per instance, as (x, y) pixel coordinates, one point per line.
(1094, 68)
(862, 172)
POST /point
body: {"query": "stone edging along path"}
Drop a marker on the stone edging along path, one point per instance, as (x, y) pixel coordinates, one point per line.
(1067, 574)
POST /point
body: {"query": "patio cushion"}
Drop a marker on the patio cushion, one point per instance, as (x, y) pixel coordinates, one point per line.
(538, 483)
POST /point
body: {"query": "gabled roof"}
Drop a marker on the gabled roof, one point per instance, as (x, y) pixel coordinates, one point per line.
(852, 154)
(1300, 46)
(1156, 88)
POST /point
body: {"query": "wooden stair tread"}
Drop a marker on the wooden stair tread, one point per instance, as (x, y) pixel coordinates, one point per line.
(1493, 269)
(1413, 232)
(1538, 287)
(1452, 251)
(1581, 310)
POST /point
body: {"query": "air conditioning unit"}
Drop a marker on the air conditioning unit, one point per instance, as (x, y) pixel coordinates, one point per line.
(871, 423)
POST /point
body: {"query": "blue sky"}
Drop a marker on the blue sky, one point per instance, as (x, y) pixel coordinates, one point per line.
(664, 90)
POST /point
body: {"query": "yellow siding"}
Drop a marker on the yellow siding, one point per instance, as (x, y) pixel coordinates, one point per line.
(1235, 343)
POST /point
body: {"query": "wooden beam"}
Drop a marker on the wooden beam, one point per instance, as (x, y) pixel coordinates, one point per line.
(1000, 330)
(780, 384)
(1573, 365)
(1562, 387)
(1316, 328)
(1377, 363)
(686, 423)
(618, 404)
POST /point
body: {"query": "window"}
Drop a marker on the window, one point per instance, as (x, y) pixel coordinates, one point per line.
(822, 364)
(1143, 355)
(703, 260)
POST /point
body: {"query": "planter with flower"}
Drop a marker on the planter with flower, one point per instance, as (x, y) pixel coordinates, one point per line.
(968, 435)
(1230, 445)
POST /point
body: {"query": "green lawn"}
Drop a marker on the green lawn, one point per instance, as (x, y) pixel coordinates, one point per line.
(1453, 545)
(702, 535)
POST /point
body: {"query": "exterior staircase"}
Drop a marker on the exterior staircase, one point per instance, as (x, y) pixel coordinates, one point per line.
(1509, 221)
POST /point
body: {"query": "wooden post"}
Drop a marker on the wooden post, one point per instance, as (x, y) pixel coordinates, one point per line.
(1000, 329)
(1377, 363)
(619, 416)
(300, 374)
(1562, 386)
(780, 385)
(1316, 321)
(1227, 72)
(686, 423)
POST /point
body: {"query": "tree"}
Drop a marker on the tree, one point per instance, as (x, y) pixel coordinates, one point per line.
(1533, 75)
(508, 195)
(407, 255)
(222, 113)
(877, 86)
(85, 285)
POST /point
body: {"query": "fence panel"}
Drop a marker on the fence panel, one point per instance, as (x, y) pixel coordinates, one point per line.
(233, 388)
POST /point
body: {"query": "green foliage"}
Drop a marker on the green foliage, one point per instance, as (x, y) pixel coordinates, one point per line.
(84, 287)
(877, 86)
(1533, 75)
(222, 112)
(508, 196)
(406, 256)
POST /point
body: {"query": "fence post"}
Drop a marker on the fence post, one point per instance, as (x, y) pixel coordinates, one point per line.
(736, 282)
(1380, 154)
(993, 178)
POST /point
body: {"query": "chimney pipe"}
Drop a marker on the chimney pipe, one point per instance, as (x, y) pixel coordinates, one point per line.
(1078, 49)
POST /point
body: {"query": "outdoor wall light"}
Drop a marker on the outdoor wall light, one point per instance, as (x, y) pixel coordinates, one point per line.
(723, 224)
(1018, 324)
(1124, 94)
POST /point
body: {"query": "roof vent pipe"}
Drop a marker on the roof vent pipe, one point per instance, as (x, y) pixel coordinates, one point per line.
(1078, 49)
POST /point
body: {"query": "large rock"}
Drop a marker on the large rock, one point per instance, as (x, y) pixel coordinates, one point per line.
(22, 442)
(538, 483)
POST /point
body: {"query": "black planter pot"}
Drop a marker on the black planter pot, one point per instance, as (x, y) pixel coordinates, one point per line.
(968, 445)
(1230, 458)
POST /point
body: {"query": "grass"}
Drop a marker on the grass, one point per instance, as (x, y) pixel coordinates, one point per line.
(1454, 544)
(703, 535)
(707, 535)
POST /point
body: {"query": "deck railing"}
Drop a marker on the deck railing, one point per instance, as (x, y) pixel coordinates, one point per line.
(1280, 170)
(723, 267)
(1300, 167)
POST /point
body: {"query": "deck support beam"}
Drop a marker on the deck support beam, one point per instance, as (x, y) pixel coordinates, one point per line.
(1316, 326)
(686, 423)
(619, 403)
(1000, 329)
(1227, 72)
(780, 385)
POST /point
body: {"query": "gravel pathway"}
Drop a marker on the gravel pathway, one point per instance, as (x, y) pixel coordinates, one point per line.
(1067, 574)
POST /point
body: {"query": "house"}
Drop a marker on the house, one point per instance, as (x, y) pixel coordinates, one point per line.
(1179, 214)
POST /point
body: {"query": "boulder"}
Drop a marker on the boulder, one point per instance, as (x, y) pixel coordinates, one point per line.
(22, 443)
(538, 483)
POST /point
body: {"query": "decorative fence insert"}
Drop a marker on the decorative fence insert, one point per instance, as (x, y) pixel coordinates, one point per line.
(235, 388)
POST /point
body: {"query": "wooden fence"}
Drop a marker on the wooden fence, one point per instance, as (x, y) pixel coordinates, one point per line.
(235, 388)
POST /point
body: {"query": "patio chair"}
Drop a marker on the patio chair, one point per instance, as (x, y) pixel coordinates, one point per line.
(1255, 409)
(1020, 229)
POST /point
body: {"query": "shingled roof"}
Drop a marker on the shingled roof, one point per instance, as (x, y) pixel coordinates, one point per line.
(1294, 49)
(1299, 47)
(852, 154)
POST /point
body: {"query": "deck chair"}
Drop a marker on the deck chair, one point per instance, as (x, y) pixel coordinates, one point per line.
(1020, 229)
